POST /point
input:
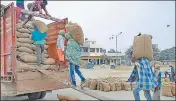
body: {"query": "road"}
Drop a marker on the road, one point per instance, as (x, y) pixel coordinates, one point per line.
(94, 73)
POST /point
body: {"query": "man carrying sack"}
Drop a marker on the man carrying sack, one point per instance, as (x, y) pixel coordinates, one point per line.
(142, 56)
(39, 35)
(60, 46)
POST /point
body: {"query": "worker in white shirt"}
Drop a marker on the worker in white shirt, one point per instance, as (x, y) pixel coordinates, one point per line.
(60, 46)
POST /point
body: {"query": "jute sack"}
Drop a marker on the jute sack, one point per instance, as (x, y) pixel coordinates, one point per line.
(25, 45)
(41, 26)
(23, 35)
(21, 54)
(46, 46)
(173, 90)
(25, 49)
(167, 90)
(23, 30)
(19, 25)
(113, 86)
(28, 58)
(31, 30)
(142, 47)
(127, 86)
(29, 26)
(46, 55)
(76, 32)
(118, 86)
(49, 61)
(106, 87)
(18, 34)
(67, 98)
(24, 40)
(33, 47)
(24, 66)
(93, 84)
(18, 44)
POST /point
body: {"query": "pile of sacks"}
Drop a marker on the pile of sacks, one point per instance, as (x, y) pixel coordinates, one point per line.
(110, 84)
(26, 49)
(168, 88)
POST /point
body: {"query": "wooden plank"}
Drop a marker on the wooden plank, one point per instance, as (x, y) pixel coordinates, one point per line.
(92, 94)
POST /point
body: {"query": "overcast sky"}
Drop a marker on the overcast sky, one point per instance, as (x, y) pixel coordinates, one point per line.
(101, 19)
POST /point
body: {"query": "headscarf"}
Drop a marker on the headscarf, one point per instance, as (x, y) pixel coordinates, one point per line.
(68, 36)
(62, 32)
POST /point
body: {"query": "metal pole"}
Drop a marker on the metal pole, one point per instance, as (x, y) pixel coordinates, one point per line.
(116, 51)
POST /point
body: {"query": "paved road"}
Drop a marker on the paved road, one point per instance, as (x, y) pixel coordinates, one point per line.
(115, 95)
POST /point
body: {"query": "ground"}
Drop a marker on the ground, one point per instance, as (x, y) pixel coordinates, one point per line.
(96, 73)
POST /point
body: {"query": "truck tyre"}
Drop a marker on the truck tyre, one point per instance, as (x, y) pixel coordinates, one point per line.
(34, 96)
(43, 93)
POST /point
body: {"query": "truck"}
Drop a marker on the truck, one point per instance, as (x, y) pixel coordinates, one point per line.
(34, 84)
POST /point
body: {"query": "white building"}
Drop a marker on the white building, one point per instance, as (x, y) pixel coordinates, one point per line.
(93, 51)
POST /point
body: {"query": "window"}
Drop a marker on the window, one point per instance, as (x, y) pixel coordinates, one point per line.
(97, 50)
(92, 50)
(85, 49)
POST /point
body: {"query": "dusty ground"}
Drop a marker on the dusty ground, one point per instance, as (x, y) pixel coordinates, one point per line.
(96, 73)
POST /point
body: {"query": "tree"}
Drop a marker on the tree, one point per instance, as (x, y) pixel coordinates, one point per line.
(167, 54)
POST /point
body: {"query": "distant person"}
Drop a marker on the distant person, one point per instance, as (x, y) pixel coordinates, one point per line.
(171, 73)
(60, 46)
(157, 90)
(73, 55)
(20, 4)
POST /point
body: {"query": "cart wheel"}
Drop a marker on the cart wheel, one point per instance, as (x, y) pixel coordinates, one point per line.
(34, 96)
(42, 95)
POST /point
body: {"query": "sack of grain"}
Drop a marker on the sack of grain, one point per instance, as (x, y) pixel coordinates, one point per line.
(22, 53)
(167, 90)
(173, 90)
(93, 84)
(166, 80)
(31, 30)
(41, 26)
(33, 47)
(18, 34)
(106, 87)
(46, 56)
(23, 30)
(67, 98)
(45, 51)
(28, 25)
(24, 66)
(19, 25)
(46, 46)
(18, 44)
(98, 85)
(23, 35)
(127, 86)
(142, 46)
(113, 86)
(24, 40)
(76, 32)
(25, 49)
(25, 45)
(49, 61)
(118, 86)
(28, 58)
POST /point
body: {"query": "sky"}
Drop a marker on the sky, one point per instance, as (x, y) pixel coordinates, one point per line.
(102, 19)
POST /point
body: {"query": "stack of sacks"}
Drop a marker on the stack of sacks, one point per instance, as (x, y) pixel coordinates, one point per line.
(26, 49)
(110, 84)
(168, 88)
(76, 31)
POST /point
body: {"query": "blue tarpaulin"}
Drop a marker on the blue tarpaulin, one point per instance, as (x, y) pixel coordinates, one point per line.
(37, 35)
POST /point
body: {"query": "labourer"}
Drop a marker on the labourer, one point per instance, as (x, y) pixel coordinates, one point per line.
(157, 90)
(39, 39)
(73, 55)
(20, 4)
(37, 5)
(60, 46)
(170, 73)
